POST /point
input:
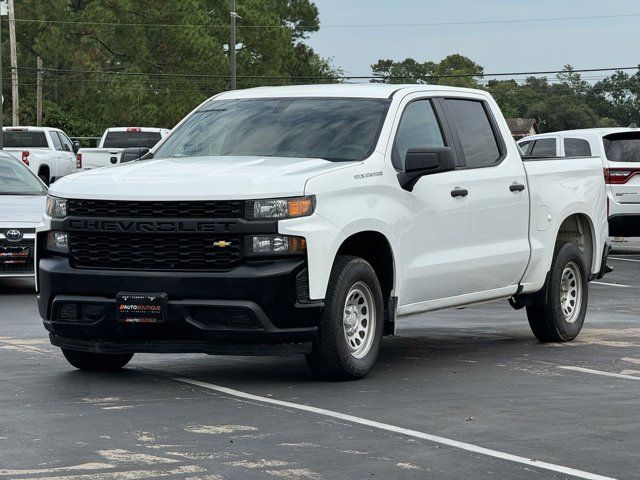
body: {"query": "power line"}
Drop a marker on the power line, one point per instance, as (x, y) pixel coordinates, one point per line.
(338, 77)
(353, 25)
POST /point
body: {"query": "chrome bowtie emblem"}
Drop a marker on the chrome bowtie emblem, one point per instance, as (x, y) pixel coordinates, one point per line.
(222, 244)
(13, 235)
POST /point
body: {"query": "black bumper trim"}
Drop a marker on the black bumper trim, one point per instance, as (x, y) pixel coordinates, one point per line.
(181, 347)
(254, 304)
(624, 225)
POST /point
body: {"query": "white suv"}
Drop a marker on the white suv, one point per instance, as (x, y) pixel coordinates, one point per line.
(619, 150)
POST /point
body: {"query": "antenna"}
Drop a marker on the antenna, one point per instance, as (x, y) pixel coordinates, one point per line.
(633, 125)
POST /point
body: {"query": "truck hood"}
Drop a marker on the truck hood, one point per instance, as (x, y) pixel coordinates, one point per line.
(21, 210)
(201, 178)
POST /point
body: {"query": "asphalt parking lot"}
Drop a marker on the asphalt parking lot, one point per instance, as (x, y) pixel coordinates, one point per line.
(456, 394)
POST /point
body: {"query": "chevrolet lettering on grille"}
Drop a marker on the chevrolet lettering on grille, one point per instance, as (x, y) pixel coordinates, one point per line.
(135, 226)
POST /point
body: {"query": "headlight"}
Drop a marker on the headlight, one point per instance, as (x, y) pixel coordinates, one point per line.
(279, 208)
(56, 207)
(259, 245)
(58, 242)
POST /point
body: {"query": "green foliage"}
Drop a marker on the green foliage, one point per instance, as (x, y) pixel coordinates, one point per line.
(122, 37)
(452, 70)
(568, 102)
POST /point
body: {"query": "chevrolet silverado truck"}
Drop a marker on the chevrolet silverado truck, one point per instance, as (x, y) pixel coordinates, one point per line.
(313, 219)
(48, 152)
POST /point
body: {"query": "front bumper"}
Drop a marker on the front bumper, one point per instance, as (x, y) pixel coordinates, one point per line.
(248, 310)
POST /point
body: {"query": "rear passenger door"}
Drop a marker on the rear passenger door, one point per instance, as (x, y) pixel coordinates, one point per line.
(68, 155)
(499, 241)
(57, 164)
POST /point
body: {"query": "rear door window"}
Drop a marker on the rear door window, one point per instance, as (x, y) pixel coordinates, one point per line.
(623, 147)
(576, 147)
(56, 140)
(25, 139)
(477, 138)
(545, 147)
(131, 139)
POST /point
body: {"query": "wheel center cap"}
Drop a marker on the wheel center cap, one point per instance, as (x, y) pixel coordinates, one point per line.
(351, 319)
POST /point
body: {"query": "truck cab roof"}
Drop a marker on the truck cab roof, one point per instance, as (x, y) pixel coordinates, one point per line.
(364, 90)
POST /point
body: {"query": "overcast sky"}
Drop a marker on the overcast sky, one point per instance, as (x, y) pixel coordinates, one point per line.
(506, 47)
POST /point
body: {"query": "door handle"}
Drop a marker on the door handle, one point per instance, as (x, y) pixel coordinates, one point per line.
(516, 187)
(459, 192)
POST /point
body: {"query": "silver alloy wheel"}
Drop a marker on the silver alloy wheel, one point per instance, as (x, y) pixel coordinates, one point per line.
(571, 292)
(359, 320)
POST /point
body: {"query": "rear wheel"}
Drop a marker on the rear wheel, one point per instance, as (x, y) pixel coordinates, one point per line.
(558, 310)
(44, 178)
(96, 362)
(350, 332)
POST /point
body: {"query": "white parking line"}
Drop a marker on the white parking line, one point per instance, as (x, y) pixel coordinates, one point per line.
(624, 259)
(399, 430)
(614, 285)
(599, 372)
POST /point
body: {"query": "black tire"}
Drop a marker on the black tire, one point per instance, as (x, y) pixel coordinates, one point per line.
(96, 362)
(333, 355)
(550, 319)
(44, 178)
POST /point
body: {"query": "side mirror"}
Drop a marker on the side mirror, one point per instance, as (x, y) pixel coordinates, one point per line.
(425, 161)
(133, 153)
(76, 146)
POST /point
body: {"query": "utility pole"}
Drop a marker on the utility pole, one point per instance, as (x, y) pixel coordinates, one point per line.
(14, 64)
(3, 12)
(232, 45)
(39, 82)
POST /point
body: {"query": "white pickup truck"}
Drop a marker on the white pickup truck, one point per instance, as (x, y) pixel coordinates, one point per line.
(114, 141)
(619, 152)
(48, 152)
(312, 220)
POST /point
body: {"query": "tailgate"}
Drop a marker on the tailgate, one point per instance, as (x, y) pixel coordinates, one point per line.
(623, 166)
(99, 157)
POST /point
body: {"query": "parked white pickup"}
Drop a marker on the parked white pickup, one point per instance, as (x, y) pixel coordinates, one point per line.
(48, 152)
(114, 140)
(619, 152)
(316, 217)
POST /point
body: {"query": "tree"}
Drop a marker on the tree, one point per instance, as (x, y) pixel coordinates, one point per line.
(455, 70)
(149, 62)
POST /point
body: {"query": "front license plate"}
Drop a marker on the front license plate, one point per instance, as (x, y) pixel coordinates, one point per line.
(141, 308)
(14, 255)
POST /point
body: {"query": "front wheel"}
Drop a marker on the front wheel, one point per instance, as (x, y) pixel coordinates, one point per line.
(350, 331)
(96, 362)
(558, 310)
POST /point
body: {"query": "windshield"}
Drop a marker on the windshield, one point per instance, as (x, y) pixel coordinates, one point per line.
(131, 139)
(623, 147)
(25, 139)
(16, 179)
(329, 128)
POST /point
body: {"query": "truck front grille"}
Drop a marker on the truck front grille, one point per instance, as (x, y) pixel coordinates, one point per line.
(132, 251)
(9, 268)
(175, 209)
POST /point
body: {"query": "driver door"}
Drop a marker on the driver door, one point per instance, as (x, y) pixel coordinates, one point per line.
(435, 240)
